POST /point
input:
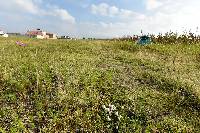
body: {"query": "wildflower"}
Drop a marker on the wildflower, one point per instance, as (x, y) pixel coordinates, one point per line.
(106, 109)
(103, 106)
(119, 117)
(108, 118)
(112, 107)
(116, 113)
(20, 44)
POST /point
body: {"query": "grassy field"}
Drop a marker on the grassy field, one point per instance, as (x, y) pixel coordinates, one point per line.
(98, 86)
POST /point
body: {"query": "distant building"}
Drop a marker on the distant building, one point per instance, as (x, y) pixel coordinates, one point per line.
(5, 35)
(39, 34)
(51, 36)
(65, 37)
(2, 34)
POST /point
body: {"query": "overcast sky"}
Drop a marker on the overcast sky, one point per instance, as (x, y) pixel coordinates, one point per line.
(99, 18)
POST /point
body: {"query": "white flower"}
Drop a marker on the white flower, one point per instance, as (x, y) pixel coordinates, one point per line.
(107, 109)
(116, 113)
(119, 117)
(108, 118)
(112, 107)
(103, 106)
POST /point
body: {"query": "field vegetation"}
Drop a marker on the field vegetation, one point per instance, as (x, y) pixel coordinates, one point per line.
(99, 86)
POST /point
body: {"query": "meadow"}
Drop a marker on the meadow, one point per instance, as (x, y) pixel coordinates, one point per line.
(98, 86)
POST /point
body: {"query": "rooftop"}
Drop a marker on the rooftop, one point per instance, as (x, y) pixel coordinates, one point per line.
(34, 33)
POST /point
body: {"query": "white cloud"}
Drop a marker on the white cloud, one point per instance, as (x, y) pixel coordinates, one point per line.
(160, 16)
(113, 11)
(176, 15)
(64, 15)
(33, 7)
(104, 9)
(27, 5)
(59, 13)
(19, 6)
(153, 4)
(130, 15)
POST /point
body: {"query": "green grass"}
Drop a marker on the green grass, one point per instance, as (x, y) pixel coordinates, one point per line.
(60, 86)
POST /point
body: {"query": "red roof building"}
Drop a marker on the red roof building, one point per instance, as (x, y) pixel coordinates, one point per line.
(41, 34)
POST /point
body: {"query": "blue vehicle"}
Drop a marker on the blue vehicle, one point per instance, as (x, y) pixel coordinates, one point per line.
(144, 40)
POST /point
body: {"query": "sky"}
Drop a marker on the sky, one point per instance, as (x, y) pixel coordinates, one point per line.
(100, 18)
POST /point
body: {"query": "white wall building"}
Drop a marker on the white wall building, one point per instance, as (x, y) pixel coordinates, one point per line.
(2, 34)
(39, 34)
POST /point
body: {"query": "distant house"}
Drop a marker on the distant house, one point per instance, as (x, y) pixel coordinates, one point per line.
(51, 36)
(65, 37)
(2, 34)
(39, 34)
